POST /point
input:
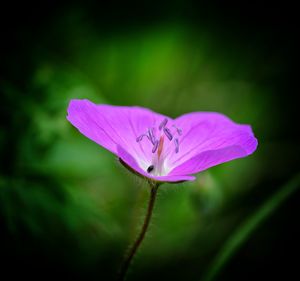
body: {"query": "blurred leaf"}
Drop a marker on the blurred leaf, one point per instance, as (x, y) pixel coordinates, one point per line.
(243, 232)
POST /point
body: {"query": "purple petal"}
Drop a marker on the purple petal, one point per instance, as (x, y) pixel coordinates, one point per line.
(110, 126)
(130, 161)
(210, 139)
(208, 159)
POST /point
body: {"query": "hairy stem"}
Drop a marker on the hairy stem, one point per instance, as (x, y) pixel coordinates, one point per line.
(134, 248)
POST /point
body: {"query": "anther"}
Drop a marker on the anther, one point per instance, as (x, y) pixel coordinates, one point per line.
(151, 135)
(155, 146)
(176, 145)
(168, 133)
(163, 124)
(150, 168)
(179, 131)
(138, 139)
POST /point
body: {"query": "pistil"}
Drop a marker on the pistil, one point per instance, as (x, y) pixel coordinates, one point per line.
(157, 139)
(160, 146)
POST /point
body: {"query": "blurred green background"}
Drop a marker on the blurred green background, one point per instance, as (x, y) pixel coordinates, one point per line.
(67, 207)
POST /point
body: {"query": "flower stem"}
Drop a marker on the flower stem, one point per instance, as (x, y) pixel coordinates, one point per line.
(134, 248)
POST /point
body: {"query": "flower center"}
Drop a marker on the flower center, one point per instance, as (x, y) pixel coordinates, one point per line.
(157, 139)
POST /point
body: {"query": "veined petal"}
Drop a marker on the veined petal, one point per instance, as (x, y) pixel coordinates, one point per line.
(110, 126)
(209, 158)
(208, 131)
(131, 162)
(210, 139)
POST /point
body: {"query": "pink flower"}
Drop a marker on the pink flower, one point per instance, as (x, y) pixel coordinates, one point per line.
(159, 148)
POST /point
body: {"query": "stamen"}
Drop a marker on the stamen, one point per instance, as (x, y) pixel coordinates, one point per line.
(161, 146)
(155, 146)
(158, 144)
(179, 131)
(138, 139)
(151, 135)
(163, 124)
(176, 145)
(168, 133)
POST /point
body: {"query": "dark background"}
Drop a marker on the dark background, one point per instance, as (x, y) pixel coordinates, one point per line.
(68, 209)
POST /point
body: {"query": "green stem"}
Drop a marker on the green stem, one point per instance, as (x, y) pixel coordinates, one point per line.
(134, 248)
